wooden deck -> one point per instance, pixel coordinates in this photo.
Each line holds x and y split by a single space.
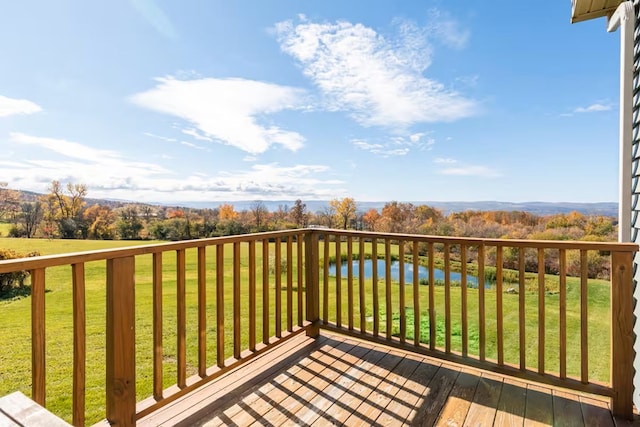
337 380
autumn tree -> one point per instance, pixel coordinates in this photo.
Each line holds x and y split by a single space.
259 212
298 214
30 218
345 210
370 219
63 206
326 216
129 225
395 217
100 222
227 212
9 203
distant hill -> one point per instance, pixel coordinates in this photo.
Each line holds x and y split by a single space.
538 208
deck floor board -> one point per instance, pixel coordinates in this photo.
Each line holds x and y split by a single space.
339 380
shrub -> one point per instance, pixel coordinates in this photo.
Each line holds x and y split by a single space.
284 265
12 281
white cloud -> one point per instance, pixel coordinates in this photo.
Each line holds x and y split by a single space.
197 135
163 138
480 171
12 106
447 29
228 110
192 145
65 148
397 145
416 137
108 173
444 160
379 80
593 108
379 149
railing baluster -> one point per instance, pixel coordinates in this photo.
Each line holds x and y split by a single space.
463 302
481 301
157 326
363 305
202 311
79 343
220 305
38 342
521 312
387 282
121 309
499 315
252 295
181 317
584 319
416 293
432 299
265 291
121 340
278 291
236 300
312 282
350 282
325 284
374 286
541 317
401 302
338 282
289 283
299 294
447 298
563 313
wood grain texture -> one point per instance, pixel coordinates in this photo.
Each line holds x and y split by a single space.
202 312
157 326
79 344
622 336
120 346
181 316
38 336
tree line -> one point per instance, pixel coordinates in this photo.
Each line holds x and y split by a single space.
64 213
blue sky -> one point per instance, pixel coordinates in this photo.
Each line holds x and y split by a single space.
205 100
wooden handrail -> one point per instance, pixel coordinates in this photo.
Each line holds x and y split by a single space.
392 330
308 251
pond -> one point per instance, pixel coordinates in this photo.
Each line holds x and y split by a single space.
423 272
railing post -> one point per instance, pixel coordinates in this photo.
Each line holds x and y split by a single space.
121 376
312 279
622 353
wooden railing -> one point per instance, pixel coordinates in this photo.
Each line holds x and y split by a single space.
223 301
209 278
501 326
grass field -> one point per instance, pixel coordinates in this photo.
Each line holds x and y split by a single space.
4 229
15 362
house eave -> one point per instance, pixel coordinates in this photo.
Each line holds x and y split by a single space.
584 10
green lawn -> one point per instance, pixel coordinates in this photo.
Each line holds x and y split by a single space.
15 341
4 229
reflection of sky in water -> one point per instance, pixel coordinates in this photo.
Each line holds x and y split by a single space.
423 272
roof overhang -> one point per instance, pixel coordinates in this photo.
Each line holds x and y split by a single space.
583 10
